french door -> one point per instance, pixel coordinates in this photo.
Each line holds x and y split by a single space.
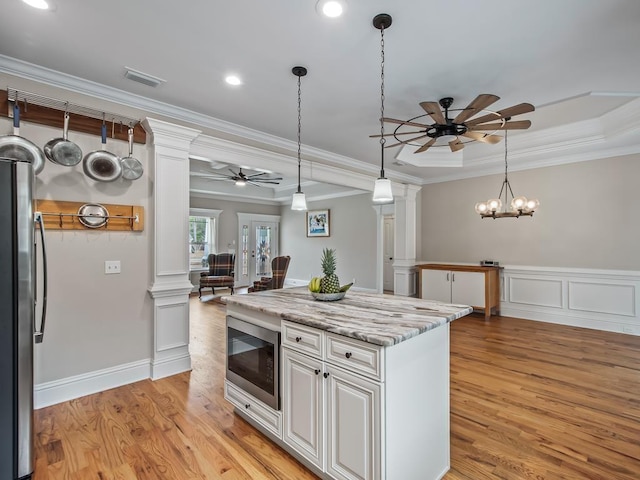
258 245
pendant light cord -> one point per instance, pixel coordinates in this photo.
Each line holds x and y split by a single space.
382 139
299 130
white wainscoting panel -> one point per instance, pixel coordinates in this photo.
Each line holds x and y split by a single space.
172 326
545 292
599 299
609 298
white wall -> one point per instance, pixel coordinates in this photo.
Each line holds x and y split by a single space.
352 235
588 218
94 321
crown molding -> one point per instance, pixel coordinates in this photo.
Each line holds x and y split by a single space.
29 71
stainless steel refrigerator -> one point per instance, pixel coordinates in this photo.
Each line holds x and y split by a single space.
17 315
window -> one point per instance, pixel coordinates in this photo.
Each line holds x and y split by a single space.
203 236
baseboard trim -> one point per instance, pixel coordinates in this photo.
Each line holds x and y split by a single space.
69 388
170 366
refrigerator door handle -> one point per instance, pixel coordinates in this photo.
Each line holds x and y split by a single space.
38 335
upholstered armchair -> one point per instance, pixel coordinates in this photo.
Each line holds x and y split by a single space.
279 267
220 272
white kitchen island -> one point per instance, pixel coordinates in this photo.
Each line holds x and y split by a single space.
364 382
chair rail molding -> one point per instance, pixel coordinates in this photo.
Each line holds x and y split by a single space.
170 282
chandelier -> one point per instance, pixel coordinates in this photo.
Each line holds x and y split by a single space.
520 206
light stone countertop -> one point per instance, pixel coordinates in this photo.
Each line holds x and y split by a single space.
374 318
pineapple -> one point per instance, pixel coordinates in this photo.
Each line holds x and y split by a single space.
330 282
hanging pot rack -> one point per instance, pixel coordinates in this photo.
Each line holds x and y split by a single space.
62 215
48 111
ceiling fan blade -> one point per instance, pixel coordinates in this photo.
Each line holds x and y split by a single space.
433 109
256 182
481 102
235 174
404 122
266 180
518 125
426 146
483 137
507 112
456 145
393 134
406 141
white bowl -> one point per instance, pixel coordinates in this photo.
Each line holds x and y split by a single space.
328 297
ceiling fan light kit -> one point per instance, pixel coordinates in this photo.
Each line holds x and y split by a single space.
299 202
382 191
519 206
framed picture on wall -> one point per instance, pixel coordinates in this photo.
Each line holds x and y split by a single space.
318 223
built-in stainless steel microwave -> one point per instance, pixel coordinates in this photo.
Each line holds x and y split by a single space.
253 360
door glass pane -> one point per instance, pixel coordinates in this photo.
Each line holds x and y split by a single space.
263 250
244 246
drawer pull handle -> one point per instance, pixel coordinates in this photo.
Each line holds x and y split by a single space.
325 374
317 371
348 354
247 405
298 339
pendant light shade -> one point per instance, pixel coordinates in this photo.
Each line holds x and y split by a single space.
299 202
382 192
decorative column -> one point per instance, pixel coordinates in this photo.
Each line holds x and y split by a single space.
405 242
170 287
404 258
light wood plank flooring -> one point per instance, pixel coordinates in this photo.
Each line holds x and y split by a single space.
528 401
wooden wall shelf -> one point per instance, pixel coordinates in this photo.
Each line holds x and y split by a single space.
62 215
54 117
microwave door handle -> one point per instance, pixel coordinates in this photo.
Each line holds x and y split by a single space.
40 334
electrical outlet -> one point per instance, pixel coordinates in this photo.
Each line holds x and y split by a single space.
111 266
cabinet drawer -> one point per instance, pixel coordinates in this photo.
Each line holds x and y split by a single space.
355 355
254 408
302 338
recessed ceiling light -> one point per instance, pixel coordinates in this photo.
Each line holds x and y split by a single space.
233 80
39 4
331 8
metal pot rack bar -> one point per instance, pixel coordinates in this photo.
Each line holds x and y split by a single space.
25 99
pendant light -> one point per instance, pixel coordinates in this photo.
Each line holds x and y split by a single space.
519 206
382 192
299 202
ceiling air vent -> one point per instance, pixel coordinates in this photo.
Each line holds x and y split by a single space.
143 78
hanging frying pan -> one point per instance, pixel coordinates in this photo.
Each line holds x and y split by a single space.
18 148
131 167
93 215
61 150
101 165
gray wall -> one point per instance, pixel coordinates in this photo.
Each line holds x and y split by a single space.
588 218
95 321
352 235
228 226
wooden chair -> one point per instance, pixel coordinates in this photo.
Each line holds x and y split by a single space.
220 272
279 267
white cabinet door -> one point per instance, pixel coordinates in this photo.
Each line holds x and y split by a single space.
303 405
467 288
353 426
436 285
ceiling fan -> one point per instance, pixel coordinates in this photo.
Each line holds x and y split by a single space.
455 132
241 179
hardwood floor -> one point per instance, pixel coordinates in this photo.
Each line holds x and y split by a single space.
528 401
